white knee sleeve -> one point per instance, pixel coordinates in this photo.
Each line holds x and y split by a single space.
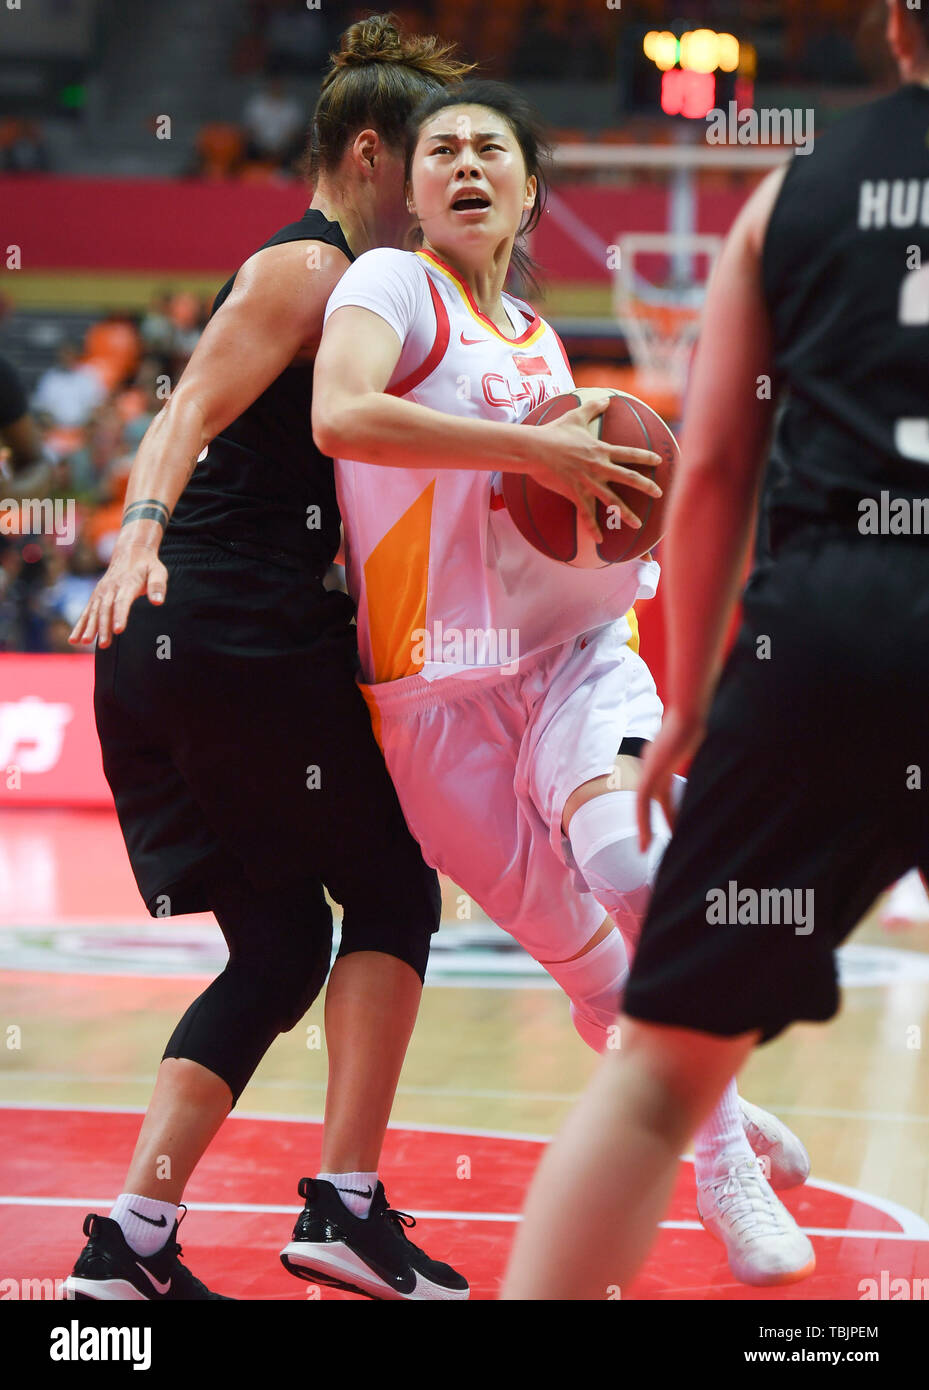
604 839
594 983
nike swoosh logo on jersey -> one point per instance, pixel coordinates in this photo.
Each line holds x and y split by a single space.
150 1219
469 342
155 1283
356 1191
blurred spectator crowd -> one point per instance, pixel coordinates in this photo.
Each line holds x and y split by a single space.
92 408
283 45
22 148
513 40
526 39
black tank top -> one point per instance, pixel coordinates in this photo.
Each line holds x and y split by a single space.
850 311
263 489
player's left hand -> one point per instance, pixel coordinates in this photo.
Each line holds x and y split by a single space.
679 736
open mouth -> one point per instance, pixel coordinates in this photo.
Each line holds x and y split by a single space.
471 202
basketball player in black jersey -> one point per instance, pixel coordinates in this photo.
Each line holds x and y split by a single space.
807 779
237 745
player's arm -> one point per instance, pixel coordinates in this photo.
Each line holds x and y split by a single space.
727 426
353 418
274 310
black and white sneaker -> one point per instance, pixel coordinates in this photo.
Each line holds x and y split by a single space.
367 1255
108 1268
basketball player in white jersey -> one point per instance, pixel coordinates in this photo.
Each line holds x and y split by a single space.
501 684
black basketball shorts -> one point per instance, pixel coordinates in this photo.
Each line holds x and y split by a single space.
231 724
808 796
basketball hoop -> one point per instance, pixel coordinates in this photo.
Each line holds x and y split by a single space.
660 316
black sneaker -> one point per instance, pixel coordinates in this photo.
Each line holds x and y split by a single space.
108 1268
368 1255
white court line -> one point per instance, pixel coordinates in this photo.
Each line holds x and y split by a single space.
913 1225
270 1209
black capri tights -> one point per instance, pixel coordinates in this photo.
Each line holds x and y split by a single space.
280 946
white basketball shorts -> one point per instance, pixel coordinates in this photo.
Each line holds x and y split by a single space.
483 768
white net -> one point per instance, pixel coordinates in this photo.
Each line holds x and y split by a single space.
659 286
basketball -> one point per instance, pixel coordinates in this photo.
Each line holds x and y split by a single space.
549 521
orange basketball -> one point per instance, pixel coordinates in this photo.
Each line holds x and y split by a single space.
549 521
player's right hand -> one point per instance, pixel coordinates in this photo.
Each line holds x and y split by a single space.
133 570
581 467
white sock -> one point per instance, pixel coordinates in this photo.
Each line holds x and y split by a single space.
145 1222
721 1142
356 1189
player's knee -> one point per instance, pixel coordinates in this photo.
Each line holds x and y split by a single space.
303 988
294 1003
604 839
283 984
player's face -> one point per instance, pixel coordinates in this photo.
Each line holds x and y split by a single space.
468 181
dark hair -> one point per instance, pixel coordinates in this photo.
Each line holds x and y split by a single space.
376 79
531 134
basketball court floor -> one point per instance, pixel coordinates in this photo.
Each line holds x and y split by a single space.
91 987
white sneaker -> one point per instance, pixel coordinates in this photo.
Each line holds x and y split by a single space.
763 1242
784 1160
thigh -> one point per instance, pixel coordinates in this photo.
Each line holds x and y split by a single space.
170 842
261 718
455 768
272 932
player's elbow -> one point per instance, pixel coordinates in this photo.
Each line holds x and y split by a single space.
331 423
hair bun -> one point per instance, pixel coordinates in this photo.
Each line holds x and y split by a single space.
372 40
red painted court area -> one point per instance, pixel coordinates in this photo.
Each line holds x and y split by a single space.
465 1189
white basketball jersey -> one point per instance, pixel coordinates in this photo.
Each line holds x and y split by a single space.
442 579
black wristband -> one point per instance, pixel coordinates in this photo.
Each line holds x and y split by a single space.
147 510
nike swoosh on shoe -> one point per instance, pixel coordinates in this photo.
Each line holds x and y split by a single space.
155 1283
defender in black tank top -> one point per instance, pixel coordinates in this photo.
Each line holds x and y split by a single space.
236 741
264 489
802 780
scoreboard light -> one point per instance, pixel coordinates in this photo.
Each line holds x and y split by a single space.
698 69
699 50
690 94
663 48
